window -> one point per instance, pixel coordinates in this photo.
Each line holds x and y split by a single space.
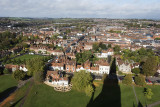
67 68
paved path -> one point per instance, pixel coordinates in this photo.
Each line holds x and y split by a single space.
154 104
135 94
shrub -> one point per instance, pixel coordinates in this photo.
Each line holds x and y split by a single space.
6 71
89 90
148 93
19 75
136 70
140 80
127 79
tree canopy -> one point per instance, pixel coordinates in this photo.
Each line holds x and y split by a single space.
81 80
149 68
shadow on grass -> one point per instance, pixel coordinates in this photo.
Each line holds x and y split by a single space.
110 95
6 93
14 104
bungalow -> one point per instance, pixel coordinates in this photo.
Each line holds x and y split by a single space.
23 68
11 67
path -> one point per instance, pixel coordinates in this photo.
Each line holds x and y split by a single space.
135 94
154 104
27 92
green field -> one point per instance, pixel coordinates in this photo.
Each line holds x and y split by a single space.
27 57
112 95
7 85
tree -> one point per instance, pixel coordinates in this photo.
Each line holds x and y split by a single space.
38 77
6 71
34 65
104 77
136 70
19 75
116 48
65 37
148 93
149 68
140 80
81 80
127 79
89 90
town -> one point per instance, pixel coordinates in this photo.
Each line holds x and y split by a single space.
79 57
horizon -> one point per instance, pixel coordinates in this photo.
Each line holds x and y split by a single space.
111 9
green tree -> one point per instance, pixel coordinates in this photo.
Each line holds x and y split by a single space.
39 77
116 48
149 68
140 80
81 80
89 90
19 75
6 71
148 93
136 70
35 65
127 79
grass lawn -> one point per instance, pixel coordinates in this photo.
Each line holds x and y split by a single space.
155 97
42 95
7 85
27 57
7 81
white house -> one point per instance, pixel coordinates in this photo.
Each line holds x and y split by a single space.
105 53
23 68
104 68
57 66
124 67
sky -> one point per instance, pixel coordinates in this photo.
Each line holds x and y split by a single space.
148 9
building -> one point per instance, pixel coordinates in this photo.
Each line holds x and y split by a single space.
57 66
70 66
56 78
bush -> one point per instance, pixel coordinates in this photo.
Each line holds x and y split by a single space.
6 71
148 93
127 79
19 75
140 80
89 90
120 73
136 70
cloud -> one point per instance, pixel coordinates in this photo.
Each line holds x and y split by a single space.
80 8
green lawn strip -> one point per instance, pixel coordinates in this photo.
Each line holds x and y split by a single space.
155 97
127 96
6 82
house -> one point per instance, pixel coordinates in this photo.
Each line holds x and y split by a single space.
56 66
56 78
87 65
158 70
95 69
124 66
56 52
105 53
79 68
70 66
11 67
88 46
104 68
23 68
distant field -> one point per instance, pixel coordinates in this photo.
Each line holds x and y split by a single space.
27 56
